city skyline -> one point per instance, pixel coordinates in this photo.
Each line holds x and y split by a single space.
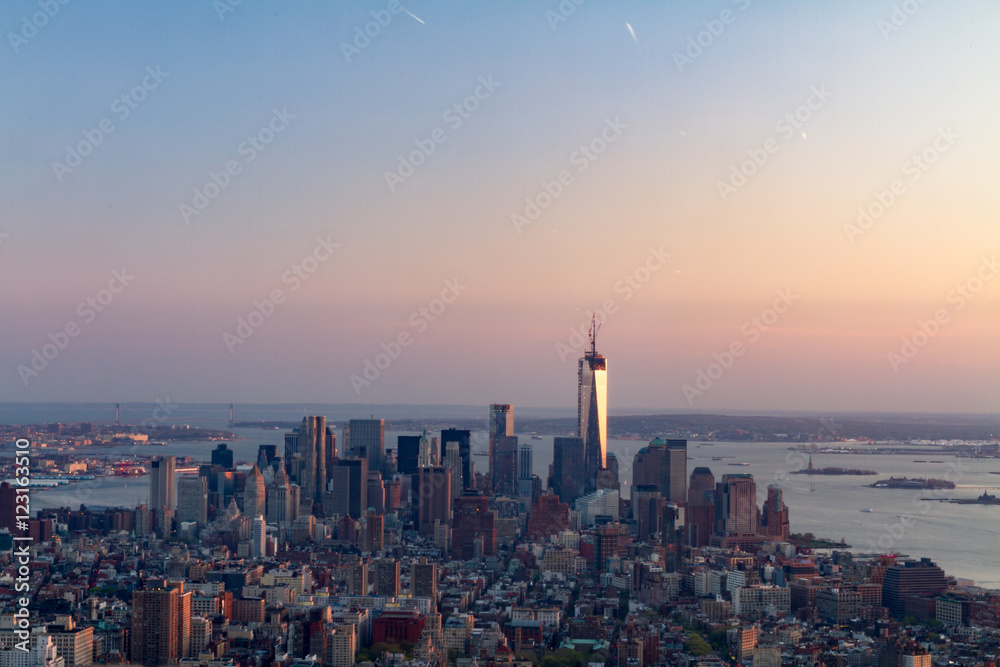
808 185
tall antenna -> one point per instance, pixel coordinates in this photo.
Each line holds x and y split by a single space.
594 328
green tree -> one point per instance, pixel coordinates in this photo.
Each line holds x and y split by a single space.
696 645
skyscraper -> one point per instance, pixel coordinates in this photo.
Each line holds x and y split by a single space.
367 440
222 456
258 537
592 407
501 424
387 577
314 449
453 460
504 470
423 580
464 438
161 483
702 481
474 535
161 623
350 487
254 493
434 501
278 502
192 499
775 514
407 454
568 470
525 470
736 505
664 465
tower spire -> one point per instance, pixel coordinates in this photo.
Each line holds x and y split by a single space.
594 327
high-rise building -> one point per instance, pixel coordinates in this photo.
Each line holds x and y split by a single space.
161 623
592 408
266 456
350 487
473 535
702 482
910 577
367 440
453 460
434 501
376 492
427 453
568 468
357 578
464 439
258 537
341 645
8 501
647 509
222 456
525 469
374 533
774 514
254 493
161 483
664 465
736 505
387 577
408 454
310 452
504 470
192 499
423 580
501 425
279 508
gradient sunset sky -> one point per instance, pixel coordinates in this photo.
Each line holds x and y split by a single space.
894 81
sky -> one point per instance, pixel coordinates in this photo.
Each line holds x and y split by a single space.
768 206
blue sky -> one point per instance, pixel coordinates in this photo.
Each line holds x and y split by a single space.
892 93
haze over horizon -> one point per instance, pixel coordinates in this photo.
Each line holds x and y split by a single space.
306 133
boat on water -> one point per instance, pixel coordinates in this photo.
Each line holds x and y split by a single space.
869 510
536 437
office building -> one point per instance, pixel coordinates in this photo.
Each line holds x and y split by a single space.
350 487
366 439
192 499
280 509
568 469
736 505
310 453
504 470
525 470
910 577
702 483
258 537
664 465
162 483
501 425
254 493
374 531
408 454
774 515
222 456
592 408
434 499
463 437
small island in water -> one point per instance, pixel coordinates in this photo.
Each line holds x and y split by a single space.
833 471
